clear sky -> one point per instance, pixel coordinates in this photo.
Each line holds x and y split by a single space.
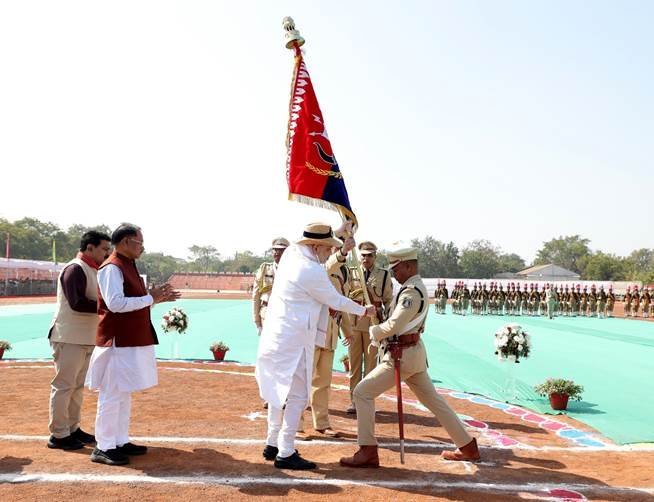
511 121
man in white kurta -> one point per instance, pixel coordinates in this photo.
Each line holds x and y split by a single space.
117 371
296 321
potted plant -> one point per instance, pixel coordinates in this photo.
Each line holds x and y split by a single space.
346 362
219 350
4 345
559 391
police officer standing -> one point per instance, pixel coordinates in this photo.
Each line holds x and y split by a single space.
363 358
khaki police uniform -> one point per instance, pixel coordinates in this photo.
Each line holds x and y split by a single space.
363 358
407 315
263 283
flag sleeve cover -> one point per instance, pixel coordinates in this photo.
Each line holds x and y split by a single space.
312 172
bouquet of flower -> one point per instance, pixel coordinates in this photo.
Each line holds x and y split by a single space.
511 342
175 320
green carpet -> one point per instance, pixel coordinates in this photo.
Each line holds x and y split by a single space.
612 358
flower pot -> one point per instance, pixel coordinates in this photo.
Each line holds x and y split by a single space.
346 365
219 355
558 401
2 353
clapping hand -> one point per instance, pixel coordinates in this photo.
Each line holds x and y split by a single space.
164 293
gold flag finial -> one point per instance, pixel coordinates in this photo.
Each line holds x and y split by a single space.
292 35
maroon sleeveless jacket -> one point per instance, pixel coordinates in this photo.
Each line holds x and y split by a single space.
128 329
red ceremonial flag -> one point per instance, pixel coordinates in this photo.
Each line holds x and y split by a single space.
312 172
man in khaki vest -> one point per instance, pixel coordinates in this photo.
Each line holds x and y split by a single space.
323 356
403 327
263 282
363 358
72 338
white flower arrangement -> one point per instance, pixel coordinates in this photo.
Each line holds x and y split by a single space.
175 320
511 342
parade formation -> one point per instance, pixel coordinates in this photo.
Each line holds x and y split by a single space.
550 300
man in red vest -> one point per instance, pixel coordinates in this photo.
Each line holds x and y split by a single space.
123 360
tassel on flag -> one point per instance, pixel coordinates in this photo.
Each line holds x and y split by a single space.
312 172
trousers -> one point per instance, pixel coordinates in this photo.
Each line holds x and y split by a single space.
381 379
361 354
113 417
67 387
283 423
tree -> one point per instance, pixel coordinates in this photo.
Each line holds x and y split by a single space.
205 259
479 260
159 267
605 267
640 265
245 262
571 252
511 263
437 259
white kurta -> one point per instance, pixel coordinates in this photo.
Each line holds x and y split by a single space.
128 368
296 321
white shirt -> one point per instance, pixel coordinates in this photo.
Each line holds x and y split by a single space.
126 368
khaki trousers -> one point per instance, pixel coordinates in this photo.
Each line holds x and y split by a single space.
67 387
323 360
360 353
381 379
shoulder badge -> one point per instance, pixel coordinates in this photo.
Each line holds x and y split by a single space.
407 301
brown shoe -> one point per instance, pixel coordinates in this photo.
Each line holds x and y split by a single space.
329 432
366 457
302 436
469 452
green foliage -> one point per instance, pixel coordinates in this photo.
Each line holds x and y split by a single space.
205 259
605 267
480 259
32 239
511 263
159 267
4 344
218 346
437 259
640 265
244 262
571 252
560 386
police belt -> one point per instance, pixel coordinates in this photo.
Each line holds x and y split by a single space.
408 340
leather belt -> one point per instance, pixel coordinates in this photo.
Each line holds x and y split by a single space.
408 340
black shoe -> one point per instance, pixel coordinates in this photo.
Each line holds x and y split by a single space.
270 452
84 437
109 457
132 449
68 443
294 462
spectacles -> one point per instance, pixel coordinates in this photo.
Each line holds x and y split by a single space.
137 241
